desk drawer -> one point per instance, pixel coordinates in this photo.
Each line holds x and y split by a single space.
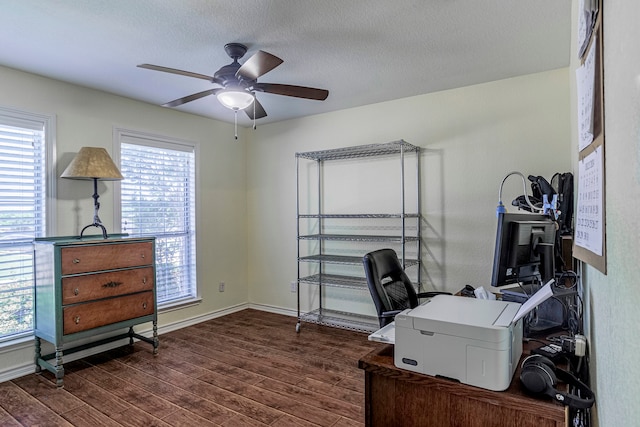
80 317
102 285
89 258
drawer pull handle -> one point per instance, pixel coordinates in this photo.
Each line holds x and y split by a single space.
76 291
76 261
144 280
142 256
111 284
144 305
76 319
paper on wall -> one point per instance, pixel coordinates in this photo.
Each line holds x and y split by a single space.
585 79
587 15
589 210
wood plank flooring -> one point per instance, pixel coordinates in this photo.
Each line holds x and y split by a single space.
248 368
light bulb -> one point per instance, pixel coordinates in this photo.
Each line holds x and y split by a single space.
235 99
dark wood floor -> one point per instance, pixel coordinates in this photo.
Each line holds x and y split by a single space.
246 369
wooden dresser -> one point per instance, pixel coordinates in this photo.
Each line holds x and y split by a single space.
91 286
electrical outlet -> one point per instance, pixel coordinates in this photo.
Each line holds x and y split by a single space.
221 287
294 287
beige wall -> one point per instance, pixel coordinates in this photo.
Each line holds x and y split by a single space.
471 138
613 299
87 118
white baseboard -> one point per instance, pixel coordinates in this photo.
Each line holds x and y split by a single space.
273 309
197 319
17 372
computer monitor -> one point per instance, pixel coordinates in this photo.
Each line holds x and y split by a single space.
524 250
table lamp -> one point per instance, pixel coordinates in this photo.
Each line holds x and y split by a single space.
96 164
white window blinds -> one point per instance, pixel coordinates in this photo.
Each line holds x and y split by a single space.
158 199
23 209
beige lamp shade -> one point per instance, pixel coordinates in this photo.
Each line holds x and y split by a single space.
92 163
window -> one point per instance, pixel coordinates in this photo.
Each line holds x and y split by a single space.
26 195
157 198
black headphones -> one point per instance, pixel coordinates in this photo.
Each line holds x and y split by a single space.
539 376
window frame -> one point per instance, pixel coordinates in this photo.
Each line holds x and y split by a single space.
13 117
160 141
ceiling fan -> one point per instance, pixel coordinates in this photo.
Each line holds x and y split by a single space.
239 82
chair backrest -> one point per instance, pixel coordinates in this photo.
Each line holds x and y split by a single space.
390 287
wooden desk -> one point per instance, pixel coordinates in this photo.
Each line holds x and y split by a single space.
397 397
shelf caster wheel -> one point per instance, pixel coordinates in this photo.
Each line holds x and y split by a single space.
298 327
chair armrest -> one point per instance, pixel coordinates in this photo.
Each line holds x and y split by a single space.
432 294
390 313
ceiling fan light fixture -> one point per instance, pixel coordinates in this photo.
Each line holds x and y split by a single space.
235 99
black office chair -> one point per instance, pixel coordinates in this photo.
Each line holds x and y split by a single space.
390 287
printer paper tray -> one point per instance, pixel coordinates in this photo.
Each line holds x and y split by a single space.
386 335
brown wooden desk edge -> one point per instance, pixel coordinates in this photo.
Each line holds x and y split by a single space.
380 362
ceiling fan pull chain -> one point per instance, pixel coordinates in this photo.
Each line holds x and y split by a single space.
236 123
254 111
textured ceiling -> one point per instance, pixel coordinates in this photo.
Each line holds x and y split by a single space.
362 51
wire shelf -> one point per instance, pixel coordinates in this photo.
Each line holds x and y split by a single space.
336 280
332 259
358 238
340 281
341 259
338 246
343 320
363 216
395 147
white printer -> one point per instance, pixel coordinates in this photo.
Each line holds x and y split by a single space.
475 341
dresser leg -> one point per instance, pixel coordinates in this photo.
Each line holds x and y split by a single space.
38 355
155 337
59 368
131 335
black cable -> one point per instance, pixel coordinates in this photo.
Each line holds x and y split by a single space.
580 314
519 282
535 340
564 275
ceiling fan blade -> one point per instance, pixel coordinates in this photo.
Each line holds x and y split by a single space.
175 71
260 113
291 90
259 64
190 98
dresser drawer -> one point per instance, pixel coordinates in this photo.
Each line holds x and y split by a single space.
80 317
89 258
102 285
